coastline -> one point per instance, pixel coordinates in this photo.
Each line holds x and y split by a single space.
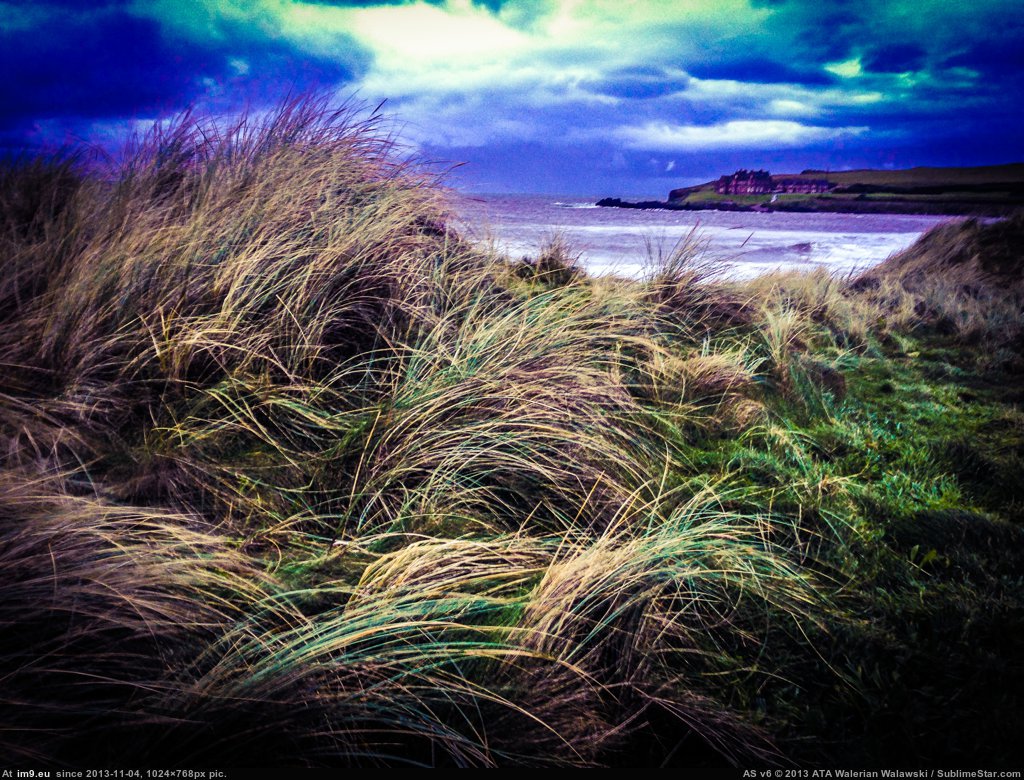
826 205
750 243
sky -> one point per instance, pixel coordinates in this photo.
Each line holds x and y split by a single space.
624 98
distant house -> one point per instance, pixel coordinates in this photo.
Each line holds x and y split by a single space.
760 182
802 185
745 182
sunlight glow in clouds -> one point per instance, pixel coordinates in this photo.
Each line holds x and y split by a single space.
739 134
847 70
427 36
596 94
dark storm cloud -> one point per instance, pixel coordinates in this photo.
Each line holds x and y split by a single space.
761 71
1001 57
546 91
825 34
77 5
97 66
74 65
894 58
638 83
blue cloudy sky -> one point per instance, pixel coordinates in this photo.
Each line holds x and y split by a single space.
605 97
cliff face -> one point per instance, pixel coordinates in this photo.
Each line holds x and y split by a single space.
681 193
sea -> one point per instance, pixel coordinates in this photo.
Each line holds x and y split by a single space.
740 244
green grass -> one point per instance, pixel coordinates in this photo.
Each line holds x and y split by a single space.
929 177
294 475
950 177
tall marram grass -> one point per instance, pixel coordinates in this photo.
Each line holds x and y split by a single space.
295 475
962 279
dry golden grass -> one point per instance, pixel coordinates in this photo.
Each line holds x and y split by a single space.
962 278
294 474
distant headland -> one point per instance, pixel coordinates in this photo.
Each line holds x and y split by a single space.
990 190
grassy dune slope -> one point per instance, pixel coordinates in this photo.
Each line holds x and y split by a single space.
293 475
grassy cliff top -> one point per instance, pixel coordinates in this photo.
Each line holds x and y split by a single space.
951 178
